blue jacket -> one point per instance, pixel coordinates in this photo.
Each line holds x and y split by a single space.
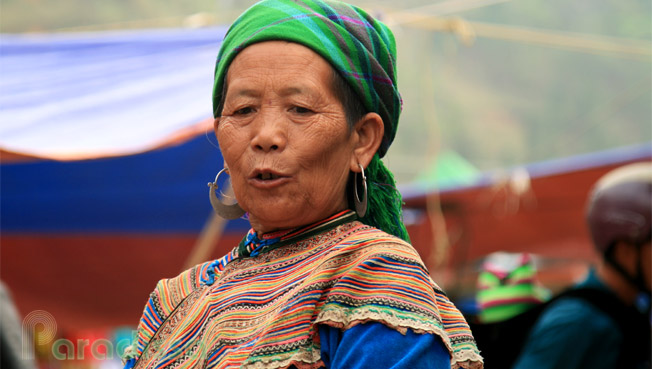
572 333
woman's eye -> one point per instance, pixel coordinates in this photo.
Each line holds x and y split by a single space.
243 111
301 110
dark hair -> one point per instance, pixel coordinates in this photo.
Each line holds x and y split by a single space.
353 108
220 105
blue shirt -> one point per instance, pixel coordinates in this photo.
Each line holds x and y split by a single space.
373 345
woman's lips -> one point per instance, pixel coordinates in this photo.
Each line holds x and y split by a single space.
264 179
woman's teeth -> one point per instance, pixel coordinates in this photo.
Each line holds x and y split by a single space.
265 176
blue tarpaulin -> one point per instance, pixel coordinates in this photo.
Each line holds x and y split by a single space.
102 96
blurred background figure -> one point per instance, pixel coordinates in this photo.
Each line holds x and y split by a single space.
509 300
11 335
607 325
507 286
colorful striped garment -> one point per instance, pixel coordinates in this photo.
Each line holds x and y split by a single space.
264 311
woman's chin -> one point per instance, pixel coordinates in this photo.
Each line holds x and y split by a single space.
270 213
274 218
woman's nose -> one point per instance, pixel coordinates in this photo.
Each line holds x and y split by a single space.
270 133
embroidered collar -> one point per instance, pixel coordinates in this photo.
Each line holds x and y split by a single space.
252 244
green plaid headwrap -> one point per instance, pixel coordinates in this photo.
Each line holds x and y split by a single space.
358 46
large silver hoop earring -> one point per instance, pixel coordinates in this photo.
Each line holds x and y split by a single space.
360 203
225 211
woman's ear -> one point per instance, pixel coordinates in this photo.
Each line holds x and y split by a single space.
369 132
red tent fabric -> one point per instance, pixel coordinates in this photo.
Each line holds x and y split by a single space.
538 208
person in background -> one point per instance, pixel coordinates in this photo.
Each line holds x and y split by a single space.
509 300
306 103
508 286
612 328
13 354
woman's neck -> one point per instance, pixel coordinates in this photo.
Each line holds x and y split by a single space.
262 228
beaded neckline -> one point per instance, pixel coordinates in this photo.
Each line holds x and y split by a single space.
253 245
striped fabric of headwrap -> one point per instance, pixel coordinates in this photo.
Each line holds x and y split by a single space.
358 46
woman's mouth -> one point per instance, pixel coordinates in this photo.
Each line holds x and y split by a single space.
268 179
267 176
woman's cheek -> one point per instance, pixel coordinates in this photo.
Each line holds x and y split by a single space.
230 140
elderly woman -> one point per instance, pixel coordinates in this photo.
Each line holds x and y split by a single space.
306 104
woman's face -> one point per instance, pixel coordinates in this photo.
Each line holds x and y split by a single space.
284 136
